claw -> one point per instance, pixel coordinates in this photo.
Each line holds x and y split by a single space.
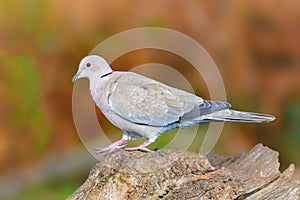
116 145
141 147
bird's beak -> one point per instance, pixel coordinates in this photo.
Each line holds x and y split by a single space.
77 75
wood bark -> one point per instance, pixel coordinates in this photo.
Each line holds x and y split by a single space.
174 174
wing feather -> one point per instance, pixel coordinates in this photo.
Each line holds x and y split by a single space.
146 101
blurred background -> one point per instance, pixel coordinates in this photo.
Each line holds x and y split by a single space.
255 44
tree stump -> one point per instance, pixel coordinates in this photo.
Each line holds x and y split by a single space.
175 174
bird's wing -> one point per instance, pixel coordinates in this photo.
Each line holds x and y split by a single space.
203 111
145 101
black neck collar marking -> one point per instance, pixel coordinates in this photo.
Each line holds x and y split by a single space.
106 74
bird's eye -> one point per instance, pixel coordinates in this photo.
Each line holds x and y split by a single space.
88 65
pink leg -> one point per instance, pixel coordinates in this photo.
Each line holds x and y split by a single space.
141 146
116 145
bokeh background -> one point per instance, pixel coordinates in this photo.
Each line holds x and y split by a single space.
255 44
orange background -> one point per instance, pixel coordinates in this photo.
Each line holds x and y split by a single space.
255 45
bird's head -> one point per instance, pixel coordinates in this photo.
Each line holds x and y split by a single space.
92 66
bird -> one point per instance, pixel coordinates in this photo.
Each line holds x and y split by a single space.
145 108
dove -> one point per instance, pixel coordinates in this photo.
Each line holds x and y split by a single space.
145 108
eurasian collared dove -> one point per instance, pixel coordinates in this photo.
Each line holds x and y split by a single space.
143 107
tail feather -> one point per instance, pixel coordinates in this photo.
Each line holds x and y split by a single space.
239 116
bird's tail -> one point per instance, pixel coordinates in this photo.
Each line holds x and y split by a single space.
239 116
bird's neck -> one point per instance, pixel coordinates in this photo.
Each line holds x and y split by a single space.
98 84
94 81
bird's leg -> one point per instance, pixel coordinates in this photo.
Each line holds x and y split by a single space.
116 145
142 146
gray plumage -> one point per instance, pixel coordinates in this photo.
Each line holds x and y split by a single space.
143 107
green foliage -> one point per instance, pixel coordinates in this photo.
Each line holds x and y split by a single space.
55 189
293 116
23 95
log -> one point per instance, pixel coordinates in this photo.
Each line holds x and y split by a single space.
174 174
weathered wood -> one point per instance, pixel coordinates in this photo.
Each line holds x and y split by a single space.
174 174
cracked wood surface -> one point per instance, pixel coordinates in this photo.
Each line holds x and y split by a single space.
175 174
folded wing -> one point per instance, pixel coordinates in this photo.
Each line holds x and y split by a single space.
146 101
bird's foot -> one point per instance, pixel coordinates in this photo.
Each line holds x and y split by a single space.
141 147
116 145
